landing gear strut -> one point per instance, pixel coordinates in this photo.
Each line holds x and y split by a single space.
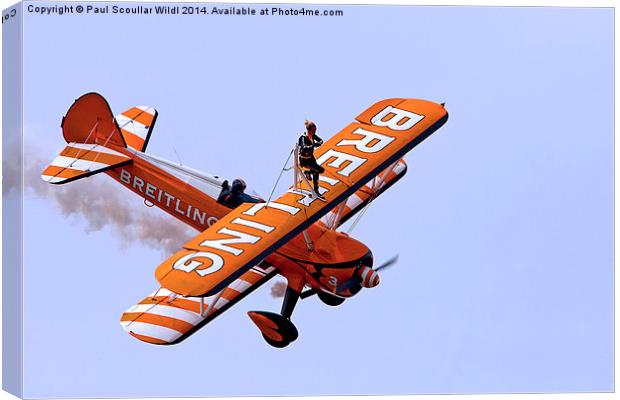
277 329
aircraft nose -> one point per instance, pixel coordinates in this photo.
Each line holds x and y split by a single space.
370 277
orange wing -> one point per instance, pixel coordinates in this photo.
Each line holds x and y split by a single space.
165 318
380 137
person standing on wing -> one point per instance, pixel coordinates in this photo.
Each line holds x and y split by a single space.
307 142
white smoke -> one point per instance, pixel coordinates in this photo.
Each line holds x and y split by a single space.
99 204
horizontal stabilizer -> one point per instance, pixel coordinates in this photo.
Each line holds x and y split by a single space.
79 160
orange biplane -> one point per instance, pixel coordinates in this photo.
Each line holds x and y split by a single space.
237 250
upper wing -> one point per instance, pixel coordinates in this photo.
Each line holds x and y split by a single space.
136 126
380 137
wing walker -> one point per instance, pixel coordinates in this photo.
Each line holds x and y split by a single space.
243 240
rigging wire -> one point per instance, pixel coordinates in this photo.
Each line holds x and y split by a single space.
280 176
178 156
376 192
361 214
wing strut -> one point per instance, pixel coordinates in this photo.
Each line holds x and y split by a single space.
211 304
308 241
333 224
376 184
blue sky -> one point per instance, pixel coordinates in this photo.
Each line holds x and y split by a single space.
503 223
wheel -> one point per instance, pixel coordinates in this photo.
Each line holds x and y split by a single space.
329 299
277 331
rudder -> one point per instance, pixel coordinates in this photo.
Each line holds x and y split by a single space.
96 143
90 120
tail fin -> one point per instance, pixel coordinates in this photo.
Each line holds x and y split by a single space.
95 140
90 120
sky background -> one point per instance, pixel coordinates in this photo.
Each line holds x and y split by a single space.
503 223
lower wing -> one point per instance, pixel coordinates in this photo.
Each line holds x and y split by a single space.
167 318
364 195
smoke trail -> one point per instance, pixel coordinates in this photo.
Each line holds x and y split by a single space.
100 204
278 289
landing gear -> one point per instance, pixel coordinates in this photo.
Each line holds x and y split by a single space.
275 343
329 299
277 329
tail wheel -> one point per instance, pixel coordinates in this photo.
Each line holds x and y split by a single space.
329 299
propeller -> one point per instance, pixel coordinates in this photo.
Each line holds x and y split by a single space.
348 284
388 263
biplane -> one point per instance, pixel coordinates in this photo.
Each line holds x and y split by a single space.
238 250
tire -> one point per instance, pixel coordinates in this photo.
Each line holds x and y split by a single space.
283 327
329 299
